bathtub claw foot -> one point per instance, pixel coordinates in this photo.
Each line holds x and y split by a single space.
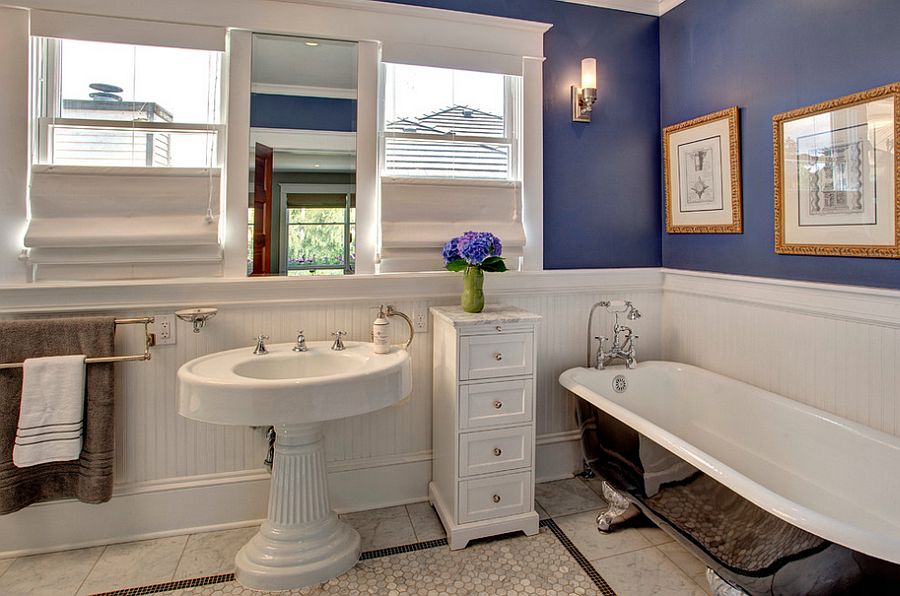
720 587
617 505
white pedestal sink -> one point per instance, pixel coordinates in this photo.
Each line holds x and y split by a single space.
302 542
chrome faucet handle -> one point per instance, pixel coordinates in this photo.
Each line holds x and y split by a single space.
631 360
338 344
601 354
261 349
301 342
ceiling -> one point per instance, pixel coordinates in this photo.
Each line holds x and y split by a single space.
651 7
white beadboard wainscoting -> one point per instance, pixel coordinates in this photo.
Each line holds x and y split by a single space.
174 475
836 348
833 347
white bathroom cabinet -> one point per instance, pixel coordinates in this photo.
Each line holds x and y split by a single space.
483 422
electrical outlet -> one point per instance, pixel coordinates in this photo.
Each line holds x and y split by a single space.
420 320
165 329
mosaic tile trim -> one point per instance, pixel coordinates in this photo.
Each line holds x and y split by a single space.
398 550
196 582
586 566
549 524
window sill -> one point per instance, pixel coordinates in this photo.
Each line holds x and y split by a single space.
122 170
485 182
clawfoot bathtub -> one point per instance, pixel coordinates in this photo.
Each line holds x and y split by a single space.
775 496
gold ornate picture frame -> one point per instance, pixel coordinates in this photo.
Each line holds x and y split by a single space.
702 162
837 177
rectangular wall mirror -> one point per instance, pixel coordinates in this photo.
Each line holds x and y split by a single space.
302 183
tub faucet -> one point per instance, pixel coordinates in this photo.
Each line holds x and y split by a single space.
624 350
623 345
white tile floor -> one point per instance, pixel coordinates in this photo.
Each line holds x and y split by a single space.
635 561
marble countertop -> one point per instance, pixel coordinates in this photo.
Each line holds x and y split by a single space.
491 315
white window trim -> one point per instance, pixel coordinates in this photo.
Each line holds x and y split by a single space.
507 39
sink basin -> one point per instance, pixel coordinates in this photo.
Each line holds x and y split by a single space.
302 542
239 387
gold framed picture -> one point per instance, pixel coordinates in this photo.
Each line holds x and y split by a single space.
702 160
837 178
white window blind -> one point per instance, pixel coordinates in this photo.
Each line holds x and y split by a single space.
419 216
123 223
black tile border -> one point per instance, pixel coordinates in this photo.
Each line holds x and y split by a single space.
548 523
181 584
582 561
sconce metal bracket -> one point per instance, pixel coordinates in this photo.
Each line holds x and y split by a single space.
582 103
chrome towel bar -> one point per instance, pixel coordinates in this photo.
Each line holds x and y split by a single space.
149 342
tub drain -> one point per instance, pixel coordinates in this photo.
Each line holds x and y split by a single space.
620 383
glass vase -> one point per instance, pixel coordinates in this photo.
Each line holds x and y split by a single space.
472 299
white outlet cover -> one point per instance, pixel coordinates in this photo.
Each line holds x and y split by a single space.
164 327
420 320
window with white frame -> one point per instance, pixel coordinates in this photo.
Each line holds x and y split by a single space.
125 167
447 123
113 104
450 155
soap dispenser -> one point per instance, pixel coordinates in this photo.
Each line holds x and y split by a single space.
381 333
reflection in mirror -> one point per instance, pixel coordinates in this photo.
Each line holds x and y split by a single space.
302 186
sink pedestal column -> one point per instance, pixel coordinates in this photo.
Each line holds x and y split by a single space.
302 542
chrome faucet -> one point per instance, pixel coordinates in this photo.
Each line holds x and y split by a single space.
623 346
338 344
301 343
261 349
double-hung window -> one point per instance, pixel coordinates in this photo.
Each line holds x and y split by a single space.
112 104
445 123
450 155
126 151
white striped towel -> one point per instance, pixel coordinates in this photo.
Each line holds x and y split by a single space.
51 416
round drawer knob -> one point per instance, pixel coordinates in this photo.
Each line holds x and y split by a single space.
498 356
498 328
498 404
496 498
497 451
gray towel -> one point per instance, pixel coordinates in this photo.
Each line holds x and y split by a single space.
90 478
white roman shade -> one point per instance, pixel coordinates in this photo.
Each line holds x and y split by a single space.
123 223
418 216
113 30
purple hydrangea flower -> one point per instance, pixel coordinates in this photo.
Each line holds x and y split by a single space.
451 251
475 247
498 247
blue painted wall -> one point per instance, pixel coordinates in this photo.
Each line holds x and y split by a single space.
770 56
302 113
601 180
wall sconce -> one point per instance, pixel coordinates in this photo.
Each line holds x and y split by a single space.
583 97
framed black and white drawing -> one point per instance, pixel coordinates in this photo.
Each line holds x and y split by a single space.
703 175
837 176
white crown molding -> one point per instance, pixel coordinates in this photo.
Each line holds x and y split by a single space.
650 7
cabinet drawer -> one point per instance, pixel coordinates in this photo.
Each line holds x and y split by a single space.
493 404
487 356
496 496
494 451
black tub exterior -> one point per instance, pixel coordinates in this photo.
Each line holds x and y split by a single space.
743 543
